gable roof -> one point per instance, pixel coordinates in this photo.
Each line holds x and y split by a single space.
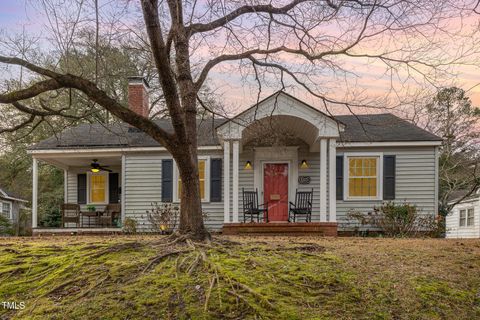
4 194
357 128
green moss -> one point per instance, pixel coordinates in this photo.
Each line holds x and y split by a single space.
87 278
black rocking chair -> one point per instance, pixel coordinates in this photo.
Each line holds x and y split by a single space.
302 206
252 208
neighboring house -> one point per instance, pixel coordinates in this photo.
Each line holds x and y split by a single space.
463 221
10 205
351 162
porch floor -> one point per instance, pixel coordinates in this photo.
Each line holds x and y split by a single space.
328 229
75 231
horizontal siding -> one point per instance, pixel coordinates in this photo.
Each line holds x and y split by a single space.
415 181
452 220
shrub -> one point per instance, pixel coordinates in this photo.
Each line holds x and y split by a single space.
130 226
5 226
163 217
52 219
398 220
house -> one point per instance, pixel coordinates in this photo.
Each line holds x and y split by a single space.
463 221
10 205
350 162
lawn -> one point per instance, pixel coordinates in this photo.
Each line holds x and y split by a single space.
145 277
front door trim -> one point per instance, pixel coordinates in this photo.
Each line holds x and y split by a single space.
276 155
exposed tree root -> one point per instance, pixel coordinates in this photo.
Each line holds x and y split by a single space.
158 259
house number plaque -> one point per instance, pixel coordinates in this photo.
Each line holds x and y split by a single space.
303 180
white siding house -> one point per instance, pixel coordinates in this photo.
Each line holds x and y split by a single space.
464 219
277 148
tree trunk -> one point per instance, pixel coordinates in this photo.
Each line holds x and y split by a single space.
191 216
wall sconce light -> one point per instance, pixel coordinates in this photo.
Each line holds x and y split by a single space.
304 164
248 165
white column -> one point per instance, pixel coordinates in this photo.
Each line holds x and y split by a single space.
236 158
226 181
34 193
332 173
323 180
122 195
65 186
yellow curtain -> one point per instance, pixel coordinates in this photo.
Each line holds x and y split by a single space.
362 177
97 188
201 175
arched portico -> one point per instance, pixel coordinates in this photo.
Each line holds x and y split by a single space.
273 130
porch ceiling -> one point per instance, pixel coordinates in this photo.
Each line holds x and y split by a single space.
66 161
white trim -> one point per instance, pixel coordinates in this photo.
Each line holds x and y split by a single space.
323 180
389 144
332 163
235 168
226 181
10 213
276 155
122 194
347 155
65 186
110 150
34 192
176 176
107 187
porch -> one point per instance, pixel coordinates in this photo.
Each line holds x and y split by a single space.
92 199
328 229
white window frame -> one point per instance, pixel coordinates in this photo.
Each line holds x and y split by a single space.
346 157
107 187
176 176
466 209
10 214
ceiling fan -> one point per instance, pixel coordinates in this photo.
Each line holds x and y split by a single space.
96 167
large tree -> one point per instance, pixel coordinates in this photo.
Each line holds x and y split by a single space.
285 42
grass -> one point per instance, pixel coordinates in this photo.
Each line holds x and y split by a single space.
140 277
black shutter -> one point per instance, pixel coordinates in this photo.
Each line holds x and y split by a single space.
215 180
388 177
339 179
113 187
81 188
167 180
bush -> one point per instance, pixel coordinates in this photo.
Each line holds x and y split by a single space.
5 226
163 217
398 220
53 219
130 226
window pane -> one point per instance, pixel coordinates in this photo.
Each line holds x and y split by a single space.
201 175
97 188
362 177
470 217
462 218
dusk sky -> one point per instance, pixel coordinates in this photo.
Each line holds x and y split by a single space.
237 94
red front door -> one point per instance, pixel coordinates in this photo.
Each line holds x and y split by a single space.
275 190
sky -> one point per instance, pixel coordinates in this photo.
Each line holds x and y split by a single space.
16 15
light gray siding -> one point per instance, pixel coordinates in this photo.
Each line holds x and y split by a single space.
453 229
415 181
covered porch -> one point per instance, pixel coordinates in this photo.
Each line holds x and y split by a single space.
278 150
93 199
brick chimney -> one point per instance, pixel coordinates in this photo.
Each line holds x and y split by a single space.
138 95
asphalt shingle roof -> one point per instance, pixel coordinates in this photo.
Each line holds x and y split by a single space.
358 128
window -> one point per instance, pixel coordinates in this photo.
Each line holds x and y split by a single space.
98 188
6 209
363 177
202 173
463 218
470 217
